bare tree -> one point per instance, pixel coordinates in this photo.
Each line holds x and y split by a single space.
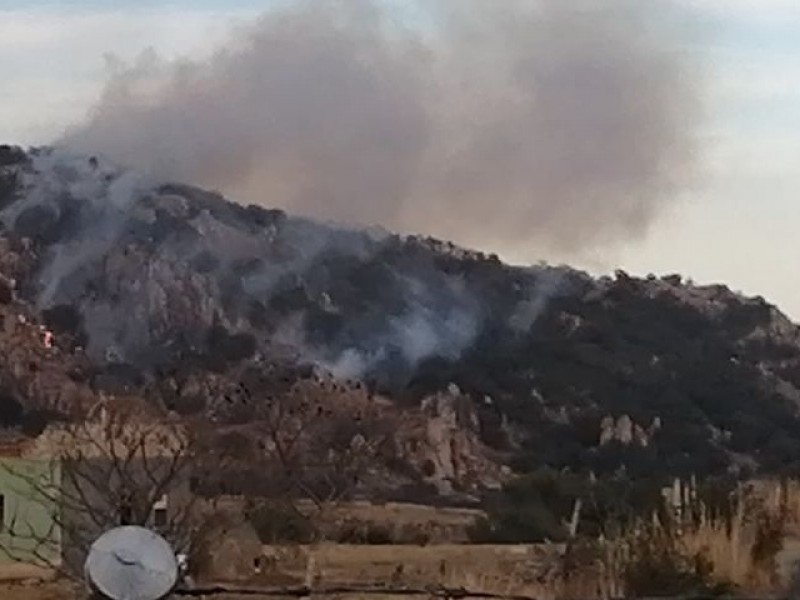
81 479
314 442
324 443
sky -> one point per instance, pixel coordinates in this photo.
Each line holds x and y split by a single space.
737 224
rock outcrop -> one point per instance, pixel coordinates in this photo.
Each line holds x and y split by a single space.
624 431
446 443
173 293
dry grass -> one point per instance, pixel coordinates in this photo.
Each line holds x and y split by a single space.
730 546
531 570
731 555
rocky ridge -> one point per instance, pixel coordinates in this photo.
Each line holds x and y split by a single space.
174 293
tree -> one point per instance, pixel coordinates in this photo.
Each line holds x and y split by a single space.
320 452
306 444
77 480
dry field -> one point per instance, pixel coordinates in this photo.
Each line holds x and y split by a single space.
453 565
499 569
530 570
521 570
442 524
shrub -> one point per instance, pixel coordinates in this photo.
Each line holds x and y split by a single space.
529 509
8 189
35 422
231 348
659 567
11 155
6 293
769 540
279 522
365 533
11 411
378 534
63 318
37 223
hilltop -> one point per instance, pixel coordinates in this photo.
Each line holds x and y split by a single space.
176 294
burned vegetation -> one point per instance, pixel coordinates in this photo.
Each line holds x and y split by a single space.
216 311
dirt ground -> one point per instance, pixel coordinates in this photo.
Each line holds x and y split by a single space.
52 591
38 591
480 568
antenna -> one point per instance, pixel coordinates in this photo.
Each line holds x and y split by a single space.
131 563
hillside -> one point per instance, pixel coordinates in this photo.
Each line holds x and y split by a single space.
177 294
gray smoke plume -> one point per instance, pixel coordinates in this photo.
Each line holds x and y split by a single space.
556 123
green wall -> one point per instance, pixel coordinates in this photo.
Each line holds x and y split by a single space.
29 532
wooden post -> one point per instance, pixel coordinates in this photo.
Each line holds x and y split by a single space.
576 515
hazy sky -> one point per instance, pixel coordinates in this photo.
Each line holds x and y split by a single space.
738 225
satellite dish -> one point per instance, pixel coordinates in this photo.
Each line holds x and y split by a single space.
131 563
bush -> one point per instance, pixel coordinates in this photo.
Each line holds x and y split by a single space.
63 318
11 411
186 405
37 223
231 348
279 522
530 509
6 292
35 422
11 155
365 533
8 189
660 568
769 540
534 524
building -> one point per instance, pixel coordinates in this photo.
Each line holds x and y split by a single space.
30 532
59 492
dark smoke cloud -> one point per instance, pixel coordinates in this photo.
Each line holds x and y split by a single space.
560 124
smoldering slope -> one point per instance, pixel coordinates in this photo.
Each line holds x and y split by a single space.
563 125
